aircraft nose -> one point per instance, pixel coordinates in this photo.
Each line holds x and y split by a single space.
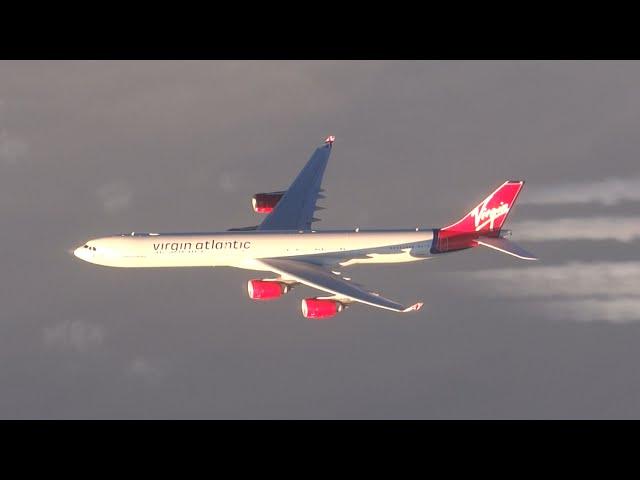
81 253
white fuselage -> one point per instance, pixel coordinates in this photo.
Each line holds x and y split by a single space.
241 248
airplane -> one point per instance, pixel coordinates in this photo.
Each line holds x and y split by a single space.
286 244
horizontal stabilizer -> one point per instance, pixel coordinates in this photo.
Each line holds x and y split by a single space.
506 246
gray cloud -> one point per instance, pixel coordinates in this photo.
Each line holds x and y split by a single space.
74 335
595 291
12 148
574 279
182 146
614 310
143 368
228 181
620 229
115 197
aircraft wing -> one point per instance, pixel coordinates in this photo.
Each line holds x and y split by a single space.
295 209
318 277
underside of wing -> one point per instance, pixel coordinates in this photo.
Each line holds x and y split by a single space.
295 209
323 279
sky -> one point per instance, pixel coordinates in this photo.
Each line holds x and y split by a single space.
92 148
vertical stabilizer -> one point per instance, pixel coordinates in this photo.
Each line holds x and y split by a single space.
486 220
488 217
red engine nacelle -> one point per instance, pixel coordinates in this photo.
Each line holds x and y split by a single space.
318 308
266 290
266 202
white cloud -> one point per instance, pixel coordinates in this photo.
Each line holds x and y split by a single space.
74 335
608 191
599 291
115 197
622 229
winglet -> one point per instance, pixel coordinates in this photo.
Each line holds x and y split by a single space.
413 308
330 139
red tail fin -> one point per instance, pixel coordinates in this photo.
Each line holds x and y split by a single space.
487 218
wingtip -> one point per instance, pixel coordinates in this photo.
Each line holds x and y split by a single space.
330 139
414 308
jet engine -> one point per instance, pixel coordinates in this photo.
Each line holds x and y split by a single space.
266 202
266 289
319 309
